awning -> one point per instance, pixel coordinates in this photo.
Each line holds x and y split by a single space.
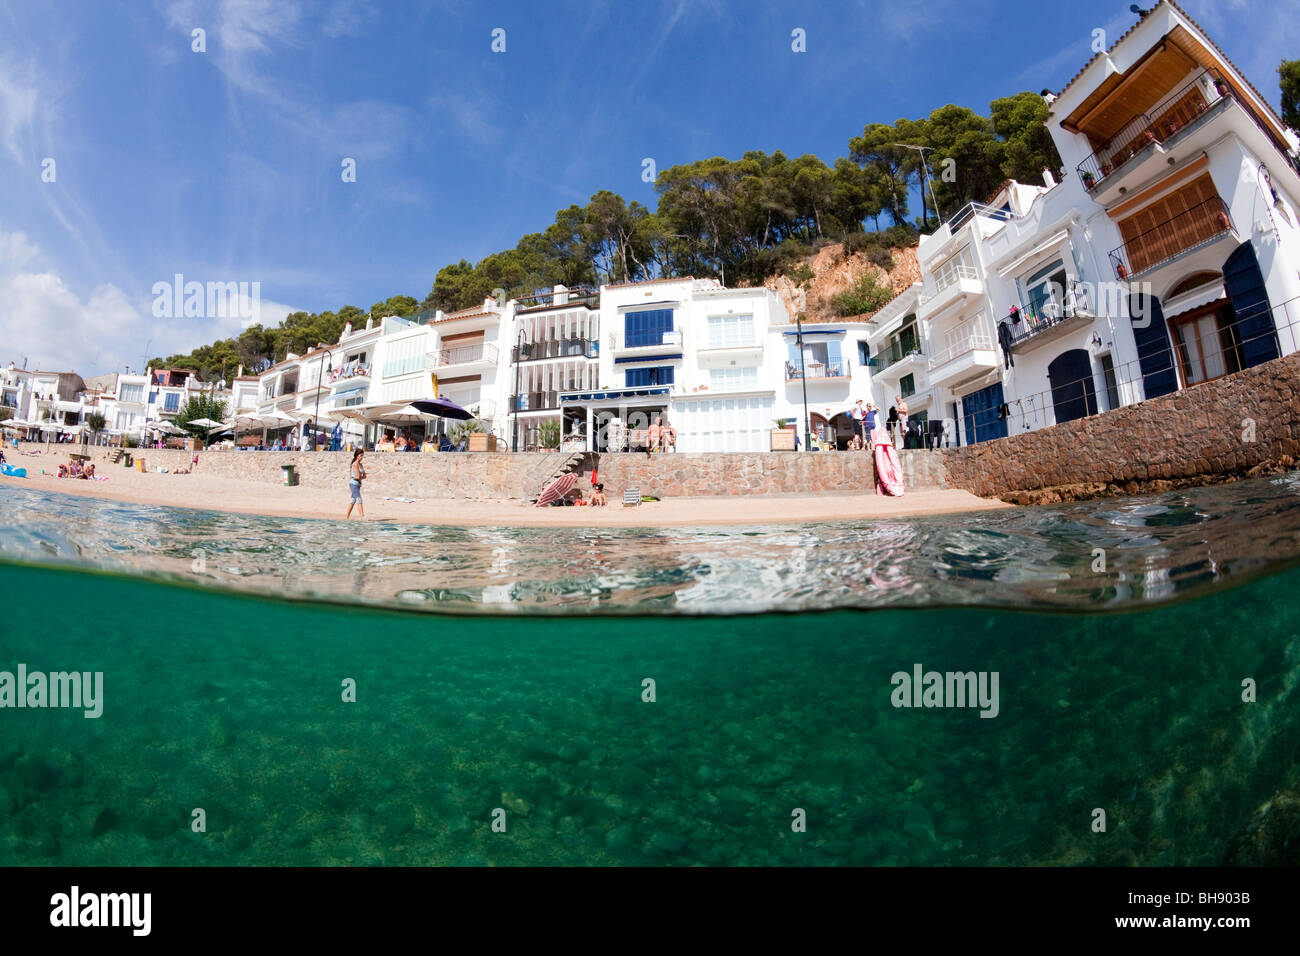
808 332
1039 248
627 396
352 389
1195 299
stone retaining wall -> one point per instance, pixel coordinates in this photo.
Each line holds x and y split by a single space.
496 476
1204 430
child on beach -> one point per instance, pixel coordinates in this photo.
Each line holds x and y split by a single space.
354 483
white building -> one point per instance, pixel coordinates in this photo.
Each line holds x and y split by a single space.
1168 256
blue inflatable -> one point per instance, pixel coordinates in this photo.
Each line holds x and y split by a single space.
9 471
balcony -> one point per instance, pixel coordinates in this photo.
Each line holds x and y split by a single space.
1186 120
817 371
907 356
466 359
1066 310
969 355
557 348
535 402
1201 224
1178 112
950 282
622 343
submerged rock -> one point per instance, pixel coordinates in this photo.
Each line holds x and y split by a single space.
106 821
1272 836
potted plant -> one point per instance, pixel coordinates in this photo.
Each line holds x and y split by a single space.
783 435
548 435
1221 86
1121 270
1106 169
1089 180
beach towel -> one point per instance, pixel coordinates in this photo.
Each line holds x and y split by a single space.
889 472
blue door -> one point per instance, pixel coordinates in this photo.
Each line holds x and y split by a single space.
981 417
1245 286
1073 394
1155 357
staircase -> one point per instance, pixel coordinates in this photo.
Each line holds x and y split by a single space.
551 466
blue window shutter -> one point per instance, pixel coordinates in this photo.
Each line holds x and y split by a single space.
1155 356
1073 395
1245 286
794 353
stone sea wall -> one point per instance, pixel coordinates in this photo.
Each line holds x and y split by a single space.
1227 427
496 475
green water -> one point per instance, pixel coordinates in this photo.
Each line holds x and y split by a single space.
233 704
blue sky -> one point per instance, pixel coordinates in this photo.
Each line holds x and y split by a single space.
225 165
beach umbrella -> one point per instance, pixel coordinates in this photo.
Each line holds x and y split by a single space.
442 408
557 489
207 423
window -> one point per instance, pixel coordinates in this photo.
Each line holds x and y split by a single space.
405 356
133 393
907 386
864 354
171 402
1209 343
1044 291
733 379
643 377
641 329
819 360
731 331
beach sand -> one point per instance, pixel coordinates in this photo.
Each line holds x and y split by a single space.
249 497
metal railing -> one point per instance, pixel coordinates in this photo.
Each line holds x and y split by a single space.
946 276
1074 300
1201 223
895 353
1177 111
972 342
1039 409
464 354
972 209
793 372
555 348
535 401
646 340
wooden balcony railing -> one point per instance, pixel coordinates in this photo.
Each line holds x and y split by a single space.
1201 223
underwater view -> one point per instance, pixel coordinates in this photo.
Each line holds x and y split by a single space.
507 697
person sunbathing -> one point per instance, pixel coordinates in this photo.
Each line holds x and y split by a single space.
89 473
598 497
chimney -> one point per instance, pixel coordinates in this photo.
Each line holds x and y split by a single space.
240 373
560 294
1049 180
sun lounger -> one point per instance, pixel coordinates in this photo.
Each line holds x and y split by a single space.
631 497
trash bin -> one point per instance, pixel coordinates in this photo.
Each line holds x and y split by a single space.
126 460
139 464
290 476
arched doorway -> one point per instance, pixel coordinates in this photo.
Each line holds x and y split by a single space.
1073 394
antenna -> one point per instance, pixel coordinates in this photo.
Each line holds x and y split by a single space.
925 175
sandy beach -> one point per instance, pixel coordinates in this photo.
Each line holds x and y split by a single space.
249 497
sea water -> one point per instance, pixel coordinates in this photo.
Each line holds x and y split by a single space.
586 708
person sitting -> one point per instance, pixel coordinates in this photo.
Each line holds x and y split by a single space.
400 444
89 473
598 497
63 471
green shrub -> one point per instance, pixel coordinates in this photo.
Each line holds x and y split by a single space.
864 297
881 257
802 273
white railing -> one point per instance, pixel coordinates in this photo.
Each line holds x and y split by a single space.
967 337
947 276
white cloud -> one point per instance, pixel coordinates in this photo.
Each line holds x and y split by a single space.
17 112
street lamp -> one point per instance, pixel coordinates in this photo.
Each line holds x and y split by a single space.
320 372
519 352
803 374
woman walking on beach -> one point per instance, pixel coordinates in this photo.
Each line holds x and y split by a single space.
354 483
